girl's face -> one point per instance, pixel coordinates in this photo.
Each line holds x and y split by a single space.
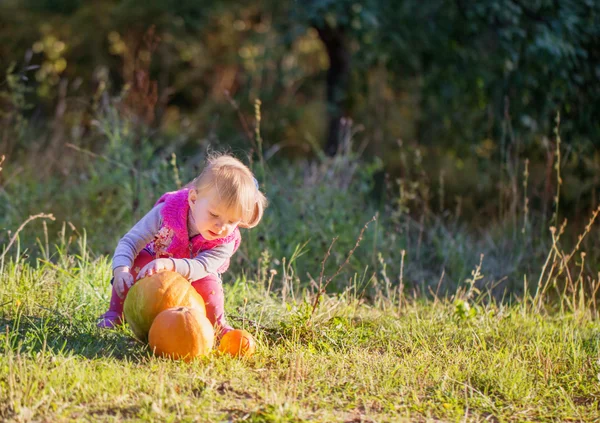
209 217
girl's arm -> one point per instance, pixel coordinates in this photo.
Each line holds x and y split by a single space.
137 238
205 263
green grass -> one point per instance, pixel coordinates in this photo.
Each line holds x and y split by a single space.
407 359
433 318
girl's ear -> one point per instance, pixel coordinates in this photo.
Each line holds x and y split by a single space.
192 197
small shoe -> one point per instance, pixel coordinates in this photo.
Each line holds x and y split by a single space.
110 320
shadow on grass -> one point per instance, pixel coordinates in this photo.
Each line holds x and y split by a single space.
68 335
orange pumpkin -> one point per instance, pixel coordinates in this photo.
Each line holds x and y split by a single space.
238 343
181 333
153 294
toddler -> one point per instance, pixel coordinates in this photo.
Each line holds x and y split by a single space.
194 232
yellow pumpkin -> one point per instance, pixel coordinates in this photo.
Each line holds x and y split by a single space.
153 294
181 333
238 343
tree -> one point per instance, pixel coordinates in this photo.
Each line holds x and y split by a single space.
342 25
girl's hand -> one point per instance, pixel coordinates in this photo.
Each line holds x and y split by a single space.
155 266
123 280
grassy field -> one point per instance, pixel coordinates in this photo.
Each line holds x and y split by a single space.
395 358
428 318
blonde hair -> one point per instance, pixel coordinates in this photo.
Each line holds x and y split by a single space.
235 186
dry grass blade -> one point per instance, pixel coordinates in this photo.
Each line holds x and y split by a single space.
242 119
323 287
98 156
29 219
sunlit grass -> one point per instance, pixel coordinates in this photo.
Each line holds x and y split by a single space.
413 359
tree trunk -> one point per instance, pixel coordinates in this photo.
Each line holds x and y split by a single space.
338 76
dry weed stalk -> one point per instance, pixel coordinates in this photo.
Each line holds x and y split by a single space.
242 119
323 286
142 96
557 168
139 104
99 156
16 234
525 198
560 261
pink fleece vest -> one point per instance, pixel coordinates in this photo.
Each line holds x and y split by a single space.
172 239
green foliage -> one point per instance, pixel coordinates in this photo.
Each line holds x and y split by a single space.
357 18
463 310
64 7
463 64
186 15
13 106
492 56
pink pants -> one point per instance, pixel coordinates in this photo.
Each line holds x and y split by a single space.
209 287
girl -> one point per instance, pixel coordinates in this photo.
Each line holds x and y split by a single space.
194 232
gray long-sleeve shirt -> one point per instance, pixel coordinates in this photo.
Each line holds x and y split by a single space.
205 263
